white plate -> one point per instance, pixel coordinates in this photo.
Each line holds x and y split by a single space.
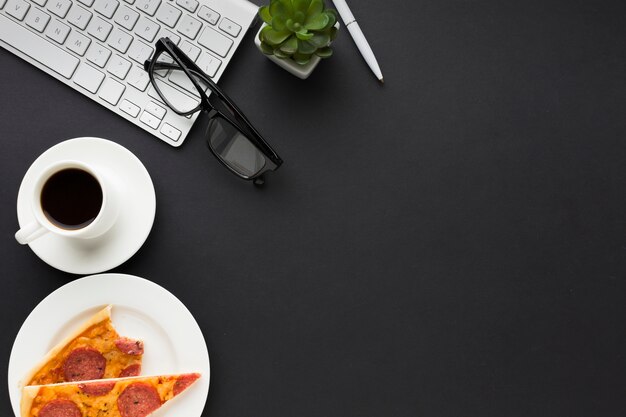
142 310
129 232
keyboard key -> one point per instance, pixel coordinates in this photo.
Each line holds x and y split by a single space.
215 41
156 110
119 67
57 31
130 1
170 131
180 79
99 29
173 37
147 29
140 52
138 78
120 40
59 7
17 9
78 43
106 7
37 19
150 120
126 17
230 27
87 3
89 78
178 99
111 91
36 47
190 50
98 54
168 15
209 15
190 5
2 2
148 6
79 17
209 64
129 108
37 2
189 27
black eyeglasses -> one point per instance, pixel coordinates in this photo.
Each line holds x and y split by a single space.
230 136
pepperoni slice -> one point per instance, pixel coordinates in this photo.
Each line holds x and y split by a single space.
97 389
60 408
131 370
138 400
84 364
130 346
184 381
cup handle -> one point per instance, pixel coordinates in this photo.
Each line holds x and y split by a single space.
29 233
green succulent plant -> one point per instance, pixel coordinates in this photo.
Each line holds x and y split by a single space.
297 29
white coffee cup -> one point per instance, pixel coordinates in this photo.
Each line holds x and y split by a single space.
42 225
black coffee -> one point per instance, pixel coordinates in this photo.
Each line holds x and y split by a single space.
71 198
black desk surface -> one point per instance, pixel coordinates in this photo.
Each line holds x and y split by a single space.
452 243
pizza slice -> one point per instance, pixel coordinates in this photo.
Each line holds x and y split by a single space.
93 351
118 397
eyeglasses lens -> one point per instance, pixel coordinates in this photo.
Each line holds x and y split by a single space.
234 148
174 84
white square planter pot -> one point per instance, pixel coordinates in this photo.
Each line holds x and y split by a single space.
300 71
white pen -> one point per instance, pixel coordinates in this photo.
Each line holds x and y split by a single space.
359 38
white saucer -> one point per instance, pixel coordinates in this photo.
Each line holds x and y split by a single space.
117 245
142 310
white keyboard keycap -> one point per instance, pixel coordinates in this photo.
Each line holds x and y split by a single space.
119 67
89 78
138 78
87 3
215 41
147 29
148 6
98 54
190 50
180 79
190 5
175 97
168 15
126 17
79 17
209 15
37 2
42 51
156 110
129 108
106 7
59 7
78 43
189 27
130 1
150 120
99 29
37 19
57 31
140 52
230 27
170 131
17 8
120 40
111 91
209 64
173 37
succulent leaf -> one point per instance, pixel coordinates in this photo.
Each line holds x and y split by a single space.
300 7
264 14
280 54
332 19
318 22
304 35
267 49
305 47
324 52
274 37
301 59
279 23
320 40
316 7
290 46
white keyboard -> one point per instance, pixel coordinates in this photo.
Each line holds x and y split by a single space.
98 47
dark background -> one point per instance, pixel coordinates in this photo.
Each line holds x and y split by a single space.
449 244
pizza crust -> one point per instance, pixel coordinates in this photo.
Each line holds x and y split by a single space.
104 314
28 395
